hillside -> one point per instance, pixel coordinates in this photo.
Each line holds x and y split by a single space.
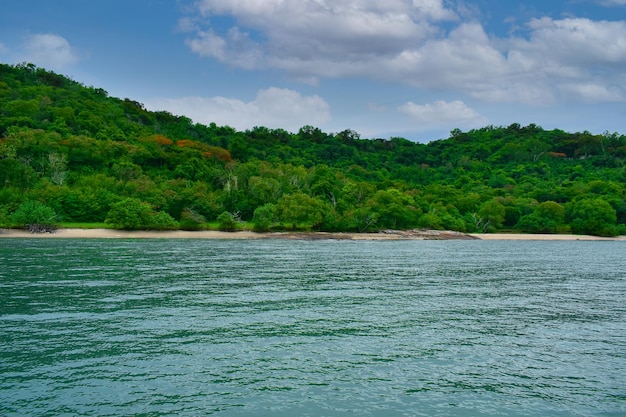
71 153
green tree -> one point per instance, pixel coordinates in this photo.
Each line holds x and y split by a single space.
361 219
299 209
16 173
490 216
394 209
551 210
592 216
263 190
442 217
546 218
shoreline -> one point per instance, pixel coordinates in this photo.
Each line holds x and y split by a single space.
211 234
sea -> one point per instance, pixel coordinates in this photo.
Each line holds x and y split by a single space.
277 327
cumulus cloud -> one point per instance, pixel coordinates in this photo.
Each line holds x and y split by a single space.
572 55
422 43
442 113
321 38
577 43
50 51
272 107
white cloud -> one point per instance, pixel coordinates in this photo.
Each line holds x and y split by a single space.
594 92
298 33
273 108
465 59
3 49
236 48
578 56
610 3
579 43
405 41
50 51
442 113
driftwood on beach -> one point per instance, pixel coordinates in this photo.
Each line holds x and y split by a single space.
40 228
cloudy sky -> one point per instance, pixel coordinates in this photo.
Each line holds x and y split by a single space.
410 68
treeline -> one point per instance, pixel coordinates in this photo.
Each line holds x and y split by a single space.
71 153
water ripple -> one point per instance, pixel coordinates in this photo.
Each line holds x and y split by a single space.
283 328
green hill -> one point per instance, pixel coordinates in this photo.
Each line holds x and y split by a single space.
71 153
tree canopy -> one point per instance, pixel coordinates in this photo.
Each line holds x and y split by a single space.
89 157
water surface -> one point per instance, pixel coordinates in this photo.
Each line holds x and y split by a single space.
321 328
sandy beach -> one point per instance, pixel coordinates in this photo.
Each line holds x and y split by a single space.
206 234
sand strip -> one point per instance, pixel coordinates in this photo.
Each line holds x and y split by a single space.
524 236
205 234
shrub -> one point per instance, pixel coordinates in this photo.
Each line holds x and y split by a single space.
160 220
132 214
37 217
191 220
264 217
129 213
227 222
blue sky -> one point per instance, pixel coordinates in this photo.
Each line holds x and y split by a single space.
410 68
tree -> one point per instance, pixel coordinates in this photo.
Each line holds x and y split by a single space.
263 190
78 151
546 218
551 210
395 209
490 216
442 217
361 219
17 174
57 164
299 209
593 216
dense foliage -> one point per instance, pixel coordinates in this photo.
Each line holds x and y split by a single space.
89 157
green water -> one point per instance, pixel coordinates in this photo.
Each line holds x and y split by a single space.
322 328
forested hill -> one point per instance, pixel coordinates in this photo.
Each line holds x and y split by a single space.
71 153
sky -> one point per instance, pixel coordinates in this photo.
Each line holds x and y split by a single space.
409 68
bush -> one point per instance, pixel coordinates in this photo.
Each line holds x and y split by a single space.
264 217
191 220
132 214
227 222
37 217
4 217
160 220
129 214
